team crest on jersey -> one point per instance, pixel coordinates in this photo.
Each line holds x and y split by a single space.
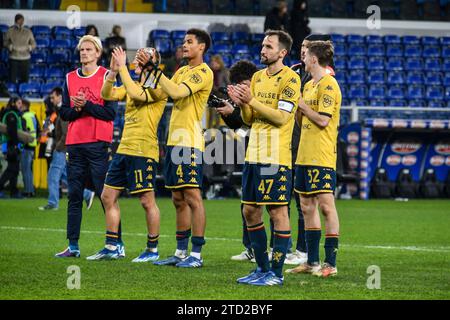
288 92
327 101
195 78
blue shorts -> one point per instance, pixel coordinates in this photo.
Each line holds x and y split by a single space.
137 174
313 179
265 184
183 168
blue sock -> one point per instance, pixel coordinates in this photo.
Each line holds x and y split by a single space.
331 248
301 241
119 233
73 245
312 245
183 239
111 238
280 248
152 241
197 244
258 237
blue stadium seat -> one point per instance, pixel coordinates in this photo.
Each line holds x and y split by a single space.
433 78
447 94
256 50
340 64
355 39
221 49
29 88
38 57
432 65
240 49
356 63
345 102
356 77
436 104
377 103
375 50
392 39
416 103
431 52
340 78
227 59
376 77
416 92
413 51
12 87
337 38
414 64
396 92
61 44
220 37
78 32
246 56
42 43
375 63
396 103
4 28
177 34
414 77
58 58
361 102
395 77
74 43
257 37
36 72
429 41
445 52
344 91
159 34
356 50
434 93
377 92
410 40
61 32
46 88
394 51
373 39
394 64
239 37
446 80
164 46
340 50
40 30
445 41
54 73
357 92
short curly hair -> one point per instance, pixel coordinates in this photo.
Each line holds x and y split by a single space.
241 71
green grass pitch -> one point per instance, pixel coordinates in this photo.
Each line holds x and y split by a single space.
408 241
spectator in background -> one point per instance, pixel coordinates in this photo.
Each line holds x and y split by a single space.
277 18
298 27
91 30
18 6
20 42
114 40
221 80
27 157
173 63
45 140
10 116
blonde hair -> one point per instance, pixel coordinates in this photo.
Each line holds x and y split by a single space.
88 38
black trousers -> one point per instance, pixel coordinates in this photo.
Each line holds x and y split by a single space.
10 174
19 70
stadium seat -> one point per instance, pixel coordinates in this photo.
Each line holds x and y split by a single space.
392 39
396 92
431 52
163 45
220 37
29 88
240 49
429 41
340 64
375 50
377 103
340 78
376 77
345 102
447 93
12 87
78 32
446 80
36 72
227 59
4 28
61 44
257 37
355 39
373 39
416 92
159 34
54 73
375 63
357 92
4 55
395 77
361 102
414 77
256 50
413 51
356 50
177 43
221 49
377 92
340 50
396 103
46 88
177 34
40 30
38 57
337 38
395 64
394 51
432 65
356 77
42 43
445 41
356 63
436 104
416 103
434 93
433 78
246 56
414 64
239 37
410 40
61 32
445 54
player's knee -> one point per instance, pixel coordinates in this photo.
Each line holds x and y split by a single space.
107 198
326 208
193 199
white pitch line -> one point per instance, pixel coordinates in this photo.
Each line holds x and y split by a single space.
401 248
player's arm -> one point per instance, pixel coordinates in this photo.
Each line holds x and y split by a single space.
277 117
326 103
320 120
299 117
246 111
111 93
66 112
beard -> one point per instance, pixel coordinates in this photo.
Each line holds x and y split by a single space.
267 61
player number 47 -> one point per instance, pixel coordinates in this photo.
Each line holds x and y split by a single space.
265 186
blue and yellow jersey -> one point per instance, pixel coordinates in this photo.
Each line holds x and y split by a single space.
185 127
318 145
269 144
